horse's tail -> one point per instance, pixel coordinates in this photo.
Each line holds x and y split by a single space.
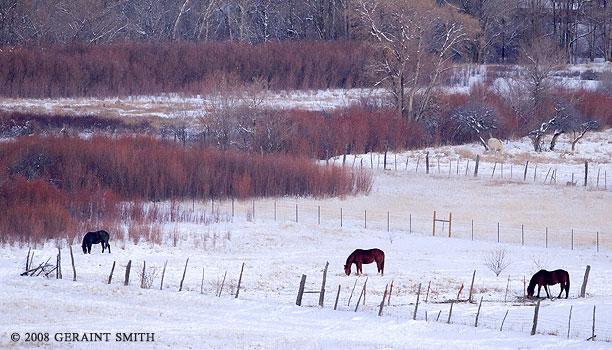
567 284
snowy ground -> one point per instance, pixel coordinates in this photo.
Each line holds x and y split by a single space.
277 251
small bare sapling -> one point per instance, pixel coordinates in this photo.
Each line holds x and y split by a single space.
497 261
150 273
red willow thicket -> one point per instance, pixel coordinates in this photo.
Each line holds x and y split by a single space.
123 69
52 185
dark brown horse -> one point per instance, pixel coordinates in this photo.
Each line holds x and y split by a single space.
360 256
549 278
95 238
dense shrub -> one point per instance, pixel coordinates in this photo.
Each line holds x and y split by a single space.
51 185
123 69
15 124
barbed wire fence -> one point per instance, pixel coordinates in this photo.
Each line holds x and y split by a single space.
334 215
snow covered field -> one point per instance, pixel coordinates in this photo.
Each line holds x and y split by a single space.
277 252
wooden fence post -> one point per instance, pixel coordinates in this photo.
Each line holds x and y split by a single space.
525 174
427 163
416 306
569 322
504 320
498 232
27 267
535 318
388 222
161 284
351 296
593 333
184 272
337 297
586 172
110 277
298 301
390 292
507 288
450 222
58 272
428 287
434 224
222 284
72 259
322 293
584 281
202 284
471 287
450 313
142 276
476 167
239 281
362 293
382 303
478 313
127 273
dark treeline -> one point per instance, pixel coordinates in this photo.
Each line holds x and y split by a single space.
194 68
581 28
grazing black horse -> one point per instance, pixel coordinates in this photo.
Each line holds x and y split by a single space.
95 238
360 256
549 278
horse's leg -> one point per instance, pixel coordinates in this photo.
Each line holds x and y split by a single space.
546 289
359 270
562 288
108 246
539 288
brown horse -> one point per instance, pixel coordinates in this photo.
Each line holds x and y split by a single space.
360 256
549 278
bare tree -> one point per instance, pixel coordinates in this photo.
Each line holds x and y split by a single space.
497 261
475 118
414 41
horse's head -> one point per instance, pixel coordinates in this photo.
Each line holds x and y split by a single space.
530 291
347 270
84 248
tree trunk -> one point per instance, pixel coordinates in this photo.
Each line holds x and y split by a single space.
553 142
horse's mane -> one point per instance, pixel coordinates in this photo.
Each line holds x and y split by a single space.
534 279
350 258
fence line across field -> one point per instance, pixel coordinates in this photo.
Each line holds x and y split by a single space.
581 322
300 212
593 176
